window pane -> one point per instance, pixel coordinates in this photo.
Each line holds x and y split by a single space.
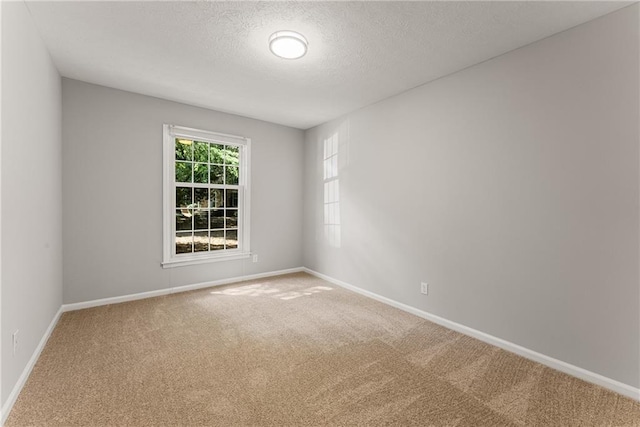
183 149
232 155
201 197
232 239
216 200
183 243
200 219
216 174
231 219
217 218
183 171
231 175
207 192
201 152
232 198
200 173
216 154
217 240
201 241
183 219
183 197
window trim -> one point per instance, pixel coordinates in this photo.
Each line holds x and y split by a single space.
169 258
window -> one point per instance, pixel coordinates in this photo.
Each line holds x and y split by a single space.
206 196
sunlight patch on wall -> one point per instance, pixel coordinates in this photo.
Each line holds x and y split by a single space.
331 191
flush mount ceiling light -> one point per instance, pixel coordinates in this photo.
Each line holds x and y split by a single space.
288 44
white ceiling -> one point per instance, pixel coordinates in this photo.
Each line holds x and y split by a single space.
215 54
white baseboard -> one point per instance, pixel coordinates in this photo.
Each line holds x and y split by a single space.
556 364
177 289
13 396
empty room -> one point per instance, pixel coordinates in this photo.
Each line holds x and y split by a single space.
320 213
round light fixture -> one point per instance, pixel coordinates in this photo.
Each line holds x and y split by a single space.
288 44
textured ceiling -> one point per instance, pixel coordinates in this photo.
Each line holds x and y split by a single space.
215 54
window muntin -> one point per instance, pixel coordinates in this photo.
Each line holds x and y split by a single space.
208 200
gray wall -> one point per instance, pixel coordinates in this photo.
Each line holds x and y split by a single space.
31 191
511 187
112 180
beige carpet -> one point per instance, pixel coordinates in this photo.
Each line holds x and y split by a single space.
291 351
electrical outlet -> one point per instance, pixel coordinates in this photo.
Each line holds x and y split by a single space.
255 257
14 340
424 288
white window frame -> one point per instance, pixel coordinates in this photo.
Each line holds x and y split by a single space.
170 258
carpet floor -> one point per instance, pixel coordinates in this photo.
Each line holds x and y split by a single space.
291 350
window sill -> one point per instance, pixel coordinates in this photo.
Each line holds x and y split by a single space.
181 262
